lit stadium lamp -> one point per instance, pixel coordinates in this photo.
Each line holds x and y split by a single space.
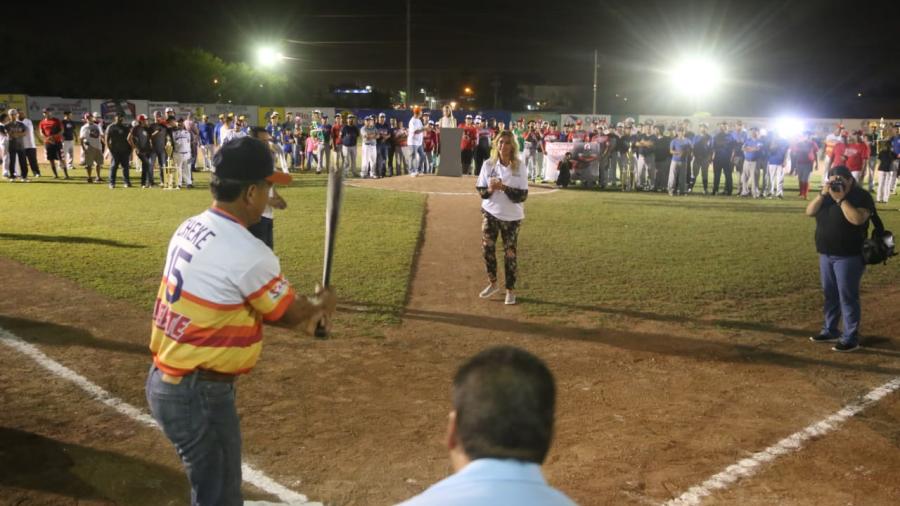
696 76
268 57
789 127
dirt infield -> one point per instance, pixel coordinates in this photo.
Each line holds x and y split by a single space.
643 414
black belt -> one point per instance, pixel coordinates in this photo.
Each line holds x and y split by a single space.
215 376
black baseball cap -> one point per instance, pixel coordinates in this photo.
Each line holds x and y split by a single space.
840 170
247 159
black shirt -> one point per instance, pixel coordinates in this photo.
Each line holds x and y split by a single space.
141 139
701 146
662 148
159 139
723 146
645 150
834 234
117 138
885 160
16 128
68 132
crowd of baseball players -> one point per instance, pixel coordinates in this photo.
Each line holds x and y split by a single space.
632 156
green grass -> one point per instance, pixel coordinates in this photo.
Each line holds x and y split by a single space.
692 257
114 241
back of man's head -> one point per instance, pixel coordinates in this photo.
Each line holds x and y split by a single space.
504 399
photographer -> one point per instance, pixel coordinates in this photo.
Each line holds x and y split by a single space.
842 214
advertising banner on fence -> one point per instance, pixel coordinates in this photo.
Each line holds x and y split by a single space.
181 109
17 102
77 106
248 111
305 113
109 107
538 116
265 112
586 119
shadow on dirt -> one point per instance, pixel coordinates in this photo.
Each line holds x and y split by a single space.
70 239
51 334
34 465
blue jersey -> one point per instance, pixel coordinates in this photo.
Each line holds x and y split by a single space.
206 133
218 132
777 152
752 156
681 148
739 136
895 145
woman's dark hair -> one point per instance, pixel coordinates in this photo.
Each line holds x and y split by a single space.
228 190
504 399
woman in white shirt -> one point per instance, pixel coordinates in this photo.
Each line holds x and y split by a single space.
503 186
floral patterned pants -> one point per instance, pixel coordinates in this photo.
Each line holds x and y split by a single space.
491 227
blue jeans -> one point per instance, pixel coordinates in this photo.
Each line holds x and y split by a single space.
418 154
201 420
841 277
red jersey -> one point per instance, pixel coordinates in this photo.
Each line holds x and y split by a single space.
852 155
578 136
336 135
469 137
429 140
51 129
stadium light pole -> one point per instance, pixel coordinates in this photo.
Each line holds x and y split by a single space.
408 26
594 103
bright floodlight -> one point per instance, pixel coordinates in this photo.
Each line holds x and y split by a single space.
268 57
696 76
789 127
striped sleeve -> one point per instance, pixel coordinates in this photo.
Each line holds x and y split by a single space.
266 290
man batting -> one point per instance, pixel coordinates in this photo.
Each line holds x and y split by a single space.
220 284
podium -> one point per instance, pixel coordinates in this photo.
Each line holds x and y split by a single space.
451 163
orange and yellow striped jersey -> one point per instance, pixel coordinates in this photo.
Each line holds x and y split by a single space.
218 286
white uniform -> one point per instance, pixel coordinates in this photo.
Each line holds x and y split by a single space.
182 156
369 152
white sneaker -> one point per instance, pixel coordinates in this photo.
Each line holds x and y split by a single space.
490 290
510 298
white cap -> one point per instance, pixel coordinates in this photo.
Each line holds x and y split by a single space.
169 109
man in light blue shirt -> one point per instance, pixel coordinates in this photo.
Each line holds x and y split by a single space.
499 434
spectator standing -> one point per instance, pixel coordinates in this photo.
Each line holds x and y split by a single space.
723 150
68 136
804 160
499 388
336 141
139 139
430 145
447 120
842 212
854 155
191 126
663 158
369 136
323 145
702 150
217 132
832 140
119 150
91 147
4 145
181 154
778 158
349 139
30 146
264 230
467 144
483 146
646 160
401 149
679 148
206 132
382 144
160 135
417 153
885 173
749 175
51 129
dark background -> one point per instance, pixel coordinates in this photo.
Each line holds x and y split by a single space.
802 57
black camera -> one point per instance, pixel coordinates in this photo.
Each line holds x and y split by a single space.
837 185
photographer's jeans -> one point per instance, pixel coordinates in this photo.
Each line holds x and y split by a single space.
841 277
200 419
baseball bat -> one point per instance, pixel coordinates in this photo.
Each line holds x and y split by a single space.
332 214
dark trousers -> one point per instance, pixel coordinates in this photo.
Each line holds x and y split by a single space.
491 227
159 157
264 231
23 169
193 157
482 153
381 160
390 162
720 167
120 160
146 169
31 155
466 157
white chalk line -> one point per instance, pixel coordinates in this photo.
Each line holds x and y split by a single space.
748 467
251 475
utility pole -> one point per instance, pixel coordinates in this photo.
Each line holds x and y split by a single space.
594 106
408 28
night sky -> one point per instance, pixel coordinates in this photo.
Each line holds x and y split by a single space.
805 57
